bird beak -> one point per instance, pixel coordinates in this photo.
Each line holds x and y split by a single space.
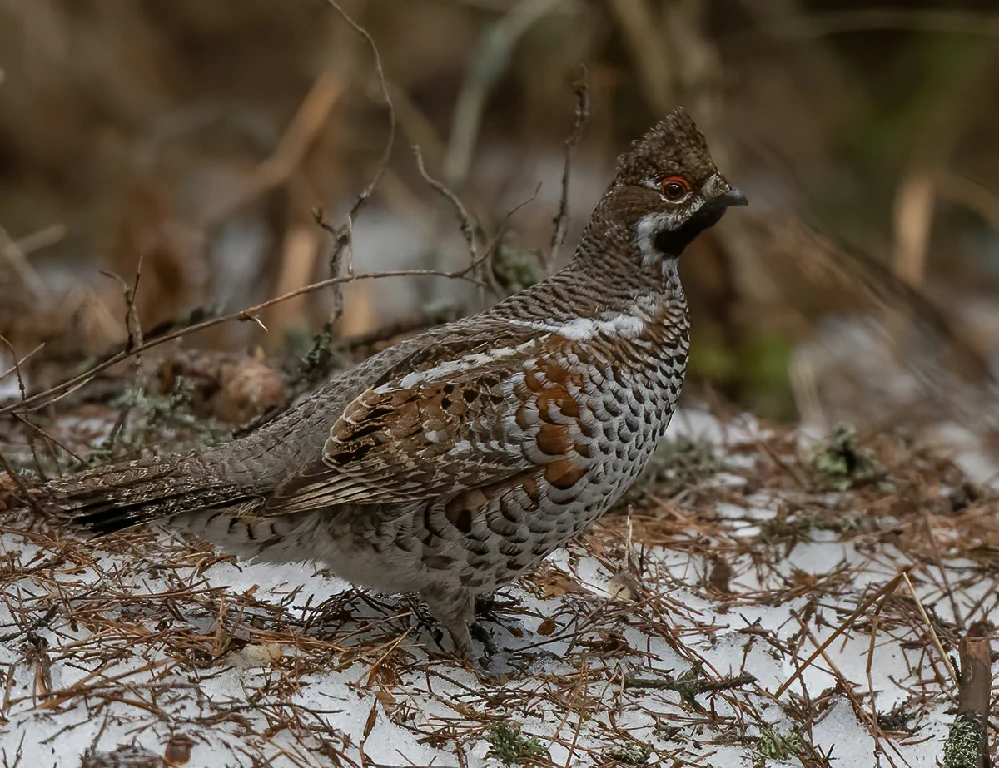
719 192
732 197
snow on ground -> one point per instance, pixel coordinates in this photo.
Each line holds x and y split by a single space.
668 651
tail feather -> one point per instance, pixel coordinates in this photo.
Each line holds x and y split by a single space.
119 496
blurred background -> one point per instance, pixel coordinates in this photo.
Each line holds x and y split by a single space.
860 284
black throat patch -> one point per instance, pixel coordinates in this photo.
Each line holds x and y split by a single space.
673 241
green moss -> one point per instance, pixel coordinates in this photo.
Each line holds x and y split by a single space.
774 745
511 748
315 355
155 414
516 268
840 463
965 743
631 753
784 528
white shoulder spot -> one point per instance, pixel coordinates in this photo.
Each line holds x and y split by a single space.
461 447
583 328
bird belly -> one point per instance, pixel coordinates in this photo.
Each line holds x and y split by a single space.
480 538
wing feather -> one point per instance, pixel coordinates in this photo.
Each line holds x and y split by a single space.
421 435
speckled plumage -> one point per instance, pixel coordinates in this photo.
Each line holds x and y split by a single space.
454 461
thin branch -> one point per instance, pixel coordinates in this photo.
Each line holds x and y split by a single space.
23 391
582 91
468 226
933 633
59 391
886 590
692 686
135 339
18 363
132 325
387 152
48 437
343 235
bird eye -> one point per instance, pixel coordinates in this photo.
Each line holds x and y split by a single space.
674 188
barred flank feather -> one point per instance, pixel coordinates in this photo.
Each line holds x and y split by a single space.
119 496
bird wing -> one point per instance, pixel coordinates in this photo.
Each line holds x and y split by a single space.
470 421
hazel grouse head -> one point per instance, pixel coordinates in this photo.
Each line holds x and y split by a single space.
668 188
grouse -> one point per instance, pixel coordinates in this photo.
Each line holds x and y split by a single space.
451 463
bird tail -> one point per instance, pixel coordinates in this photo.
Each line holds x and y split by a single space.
119 496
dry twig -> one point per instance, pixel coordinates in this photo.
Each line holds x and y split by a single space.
582 92
884 592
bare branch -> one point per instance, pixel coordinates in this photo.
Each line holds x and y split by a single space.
23 390
17 366
468 226
71 385
132 325
18 363
387 152
582 91
343 235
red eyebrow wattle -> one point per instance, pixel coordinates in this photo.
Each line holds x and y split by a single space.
678 180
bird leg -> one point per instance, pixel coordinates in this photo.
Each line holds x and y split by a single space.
455 610
481 634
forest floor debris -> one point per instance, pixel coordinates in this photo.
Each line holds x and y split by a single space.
660 638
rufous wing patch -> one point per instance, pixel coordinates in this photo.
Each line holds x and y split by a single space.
554 439
564 473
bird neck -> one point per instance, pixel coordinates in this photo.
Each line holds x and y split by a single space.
622 284
621 266
608 289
